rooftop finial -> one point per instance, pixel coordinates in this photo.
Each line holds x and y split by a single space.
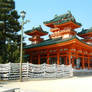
55 15
39 25
33 28
91 28
68 11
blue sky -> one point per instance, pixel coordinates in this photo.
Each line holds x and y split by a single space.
38 11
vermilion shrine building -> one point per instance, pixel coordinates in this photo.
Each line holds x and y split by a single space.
63 45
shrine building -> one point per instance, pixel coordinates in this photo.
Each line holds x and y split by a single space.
64 46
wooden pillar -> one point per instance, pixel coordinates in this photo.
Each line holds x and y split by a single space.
73 62
47 56
39 59
88 62
83 66
76 53
58 56
77 56
66 60
69 56
30 58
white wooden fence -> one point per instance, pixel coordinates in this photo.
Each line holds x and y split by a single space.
11 71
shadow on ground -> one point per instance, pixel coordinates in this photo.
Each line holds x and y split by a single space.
82 74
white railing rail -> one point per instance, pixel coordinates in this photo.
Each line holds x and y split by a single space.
11 71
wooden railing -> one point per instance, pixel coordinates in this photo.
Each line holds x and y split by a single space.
11 71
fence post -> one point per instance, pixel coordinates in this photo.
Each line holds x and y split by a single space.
0 72
11 70
63 70
44 68
71 71
9 73
56 66
27 69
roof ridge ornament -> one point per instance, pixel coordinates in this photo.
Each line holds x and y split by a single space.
62 19
55 16
36 29
68 11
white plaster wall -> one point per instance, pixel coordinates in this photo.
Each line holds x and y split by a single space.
70 36
89 43
67 36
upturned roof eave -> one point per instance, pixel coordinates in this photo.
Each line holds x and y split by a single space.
56 42
37 32
45 45
62 23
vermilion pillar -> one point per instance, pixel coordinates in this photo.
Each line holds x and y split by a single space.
66 60
83 66
88 62
73 62
48 57
30 58
69 56
39 59
58 56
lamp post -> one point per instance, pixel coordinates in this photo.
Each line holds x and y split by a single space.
21 47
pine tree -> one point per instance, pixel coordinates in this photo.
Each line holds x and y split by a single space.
9 38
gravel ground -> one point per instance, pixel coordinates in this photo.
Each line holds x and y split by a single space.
74 84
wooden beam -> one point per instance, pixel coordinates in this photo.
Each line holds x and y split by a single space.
75 41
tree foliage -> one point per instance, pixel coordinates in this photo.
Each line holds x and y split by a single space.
9 38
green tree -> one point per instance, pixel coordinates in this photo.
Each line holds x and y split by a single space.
13 52
9 38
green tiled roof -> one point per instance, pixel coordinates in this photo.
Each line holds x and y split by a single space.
39 28
62 19
84 31
53 41
26 55
48 42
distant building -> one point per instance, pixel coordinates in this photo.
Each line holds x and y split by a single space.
63 46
